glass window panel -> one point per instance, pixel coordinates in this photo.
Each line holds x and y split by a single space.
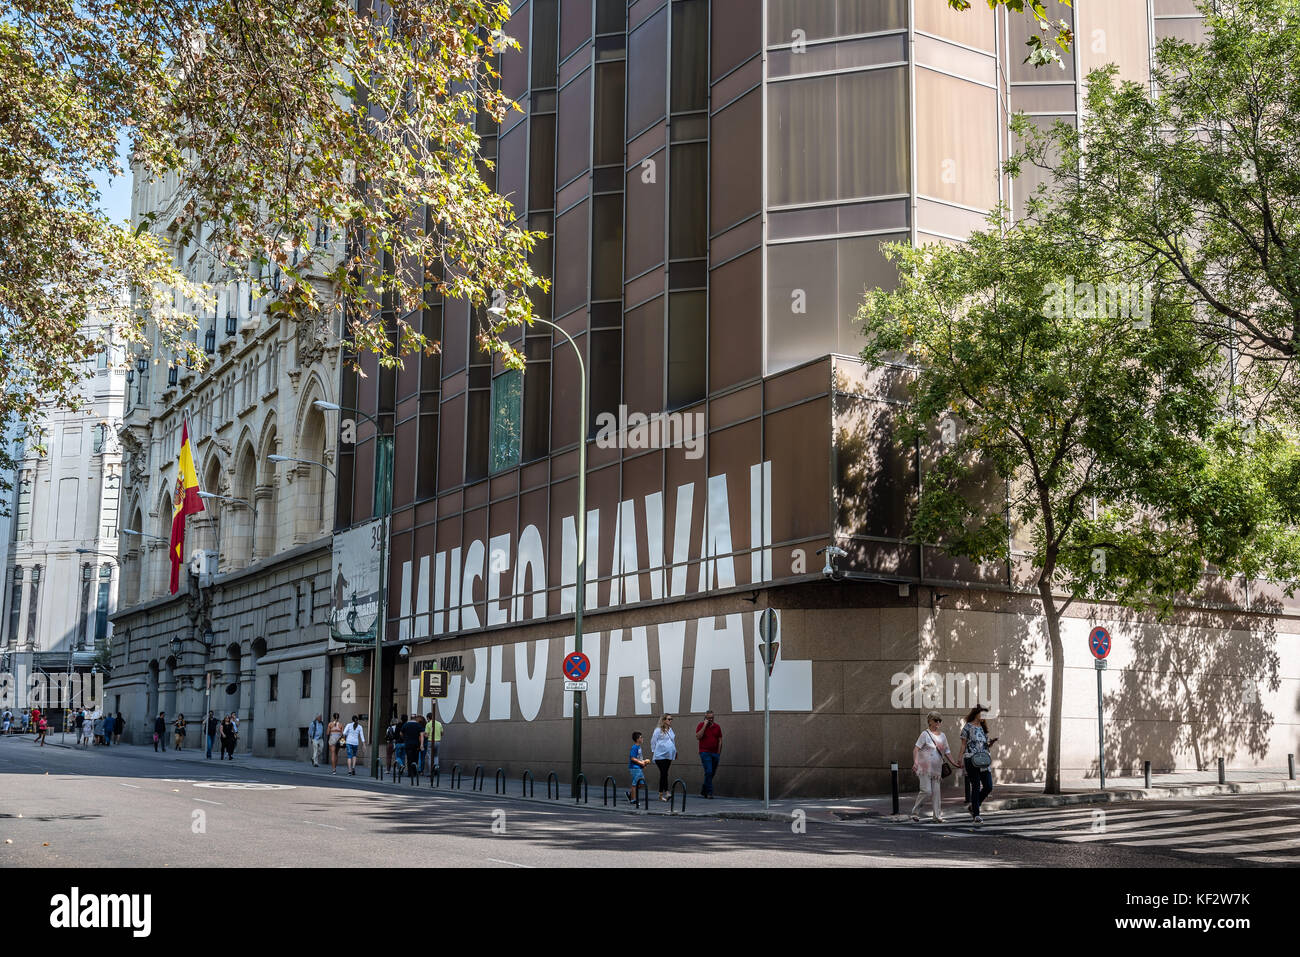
545 42
608 146
819 19
478 424
607 246
606 373
956 140
862 267
514 63
975 27
611 16
510 166
1189 31
736 318
647 65
802 302
645 209
426 475
687 344
740 40
1114 31
643 387
541 165
690 53
537 401
801 141
872 133
575 127
507 419
688 201
869 16
736 162
571 267
575 25
1020 29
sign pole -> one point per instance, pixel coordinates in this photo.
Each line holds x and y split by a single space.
767 625
1101 732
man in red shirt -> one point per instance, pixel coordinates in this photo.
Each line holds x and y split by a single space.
710 737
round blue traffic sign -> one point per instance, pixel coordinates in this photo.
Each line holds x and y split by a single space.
576 666
1099 642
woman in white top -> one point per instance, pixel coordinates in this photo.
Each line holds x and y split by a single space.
928 755
663 748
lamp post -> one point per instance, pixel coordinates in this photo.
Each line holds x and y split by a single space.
581 596
384 485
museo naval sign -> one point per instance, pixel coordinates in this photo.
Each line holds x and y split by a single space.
653 557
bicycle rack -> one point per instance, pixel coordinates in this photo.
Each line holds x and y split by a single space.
480 778
580 779
457 777
604 791
636 795
672 798
435 779
524 783
549 778
499 785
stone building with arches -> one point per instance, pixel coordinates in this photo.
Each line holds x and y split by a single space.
246 632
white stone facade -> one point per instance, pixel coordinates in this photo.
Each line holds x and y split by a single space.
272 528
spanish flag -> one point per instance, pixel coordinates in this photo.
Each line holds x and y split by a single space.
185 501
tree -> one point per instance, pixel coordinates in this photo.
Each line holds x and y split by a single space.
1070 369
1203 174
283 121
1040 53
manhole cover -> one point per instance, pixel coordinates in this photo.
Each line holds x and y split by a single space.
245 786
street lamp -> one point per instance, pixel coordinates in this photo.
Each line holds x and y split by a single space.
132 531
290 458
581 596
384 475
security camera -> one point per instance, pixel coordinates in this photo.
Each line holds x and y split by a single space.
832 553
406 651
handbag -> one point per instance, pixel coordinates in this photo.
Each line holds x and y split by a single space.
947 768
981 759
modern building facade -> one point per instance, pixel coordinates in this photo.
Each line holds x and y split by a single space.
716 177
61 573
247 622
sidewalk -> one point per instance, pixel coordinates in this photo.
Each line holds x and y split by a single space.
1005 797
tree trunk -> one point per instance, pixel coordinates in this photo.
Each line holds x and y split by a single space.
1053 617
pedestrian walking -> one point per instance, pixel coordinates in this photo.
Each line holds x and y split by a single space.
119 725
85 726
110 723
41 727
931 761
335 732
353 738
390 744
26 720
413 738
229 737
179 727
977 760
709 735
79 728
398 735
663 748
316 735
6 721
435 736
160 732
213 732
636 763
98 725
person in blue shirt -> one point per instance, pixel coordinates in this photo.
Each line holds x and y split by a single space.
635 764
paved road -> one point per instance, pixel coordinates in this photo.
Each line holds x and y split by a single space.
129 807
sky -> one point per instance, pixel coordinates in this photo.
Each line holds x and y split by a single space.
115 193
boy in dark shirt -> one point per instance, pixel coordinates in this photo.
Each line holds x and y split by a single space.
413 735
635 763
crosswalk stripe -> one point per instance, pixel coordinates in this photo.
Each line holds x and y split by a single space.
1245 848
1132 830
1074 821
1272 859
1292 828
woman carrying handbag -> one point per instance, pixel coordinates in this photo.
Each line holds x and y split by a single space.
977 760
932 762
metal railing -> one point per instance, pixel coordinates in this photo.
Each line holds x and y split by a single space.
552 776
604 791
580 796
672 797
525 782
457 776
499 784
636 794
480 778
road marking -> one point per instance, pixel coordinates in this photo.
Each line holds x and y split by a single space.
205 801
319 824
1243 848
511 863
246 786
136 786
1166 828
